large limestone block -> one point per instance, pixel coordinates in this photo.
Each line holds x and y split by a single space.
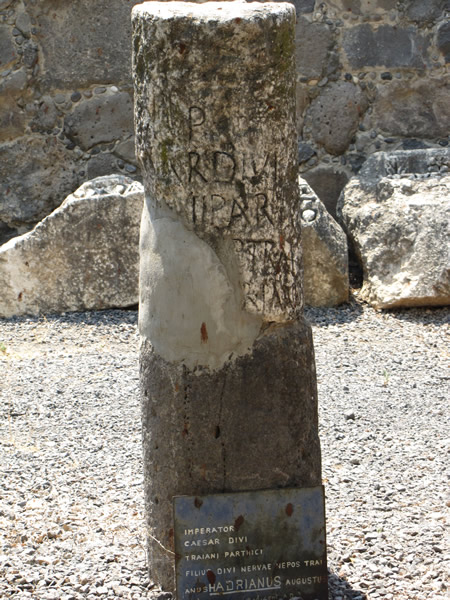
84 255
227 367
48 172
397 213
325 252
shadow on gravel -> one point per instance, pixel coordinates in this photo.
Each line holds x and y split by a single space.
438 315
340 588
89 317
324 316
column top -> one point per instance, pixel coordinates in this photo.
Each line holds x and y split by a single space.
220 11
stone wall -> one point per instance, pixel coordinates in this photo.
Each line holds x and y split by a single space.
66 104
370 77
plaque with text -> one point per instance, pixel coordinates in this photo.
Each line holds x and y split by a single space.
262 545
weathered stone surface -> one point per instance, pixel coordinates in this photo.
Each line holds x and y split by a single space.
303 6
305 152
425 11
126 150
101 165
48 173
443 40
82 256
78 46
314 41
46 116
362 7
227 186
351 6
333 117
7 48
227 432
420 109
226 360
104 118
325 252
386 46
397 213
23 22
14 82
327 182
12 121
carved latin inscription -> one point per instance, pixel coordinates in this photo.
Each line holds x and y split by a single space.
217 187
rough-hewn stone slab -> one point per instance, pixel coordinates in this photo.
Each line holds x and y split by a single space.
82 256
325 252
397 214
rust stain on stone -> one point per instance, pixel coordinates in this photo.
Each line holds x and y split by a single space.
211 577
238 522
204 333
289 509
198 502
281 241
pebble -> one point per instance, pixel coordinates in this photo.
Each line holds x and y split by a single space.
71 485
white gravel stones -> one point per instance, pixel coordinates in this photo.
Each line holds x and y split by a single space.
71 492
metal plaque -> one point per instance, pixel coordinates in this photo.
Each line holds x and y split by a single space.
263 545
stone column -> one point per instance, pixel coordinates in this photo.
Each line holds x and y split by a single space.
227 367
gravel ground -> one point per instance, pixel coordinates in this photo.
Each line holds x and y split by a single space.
71 490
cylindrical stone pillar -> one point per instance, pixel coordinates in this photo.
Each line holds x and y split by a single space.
227 367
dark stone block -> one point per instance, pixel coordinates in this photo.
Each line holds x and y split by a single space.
443 40
100 165
420 109
81 47
7 47
356 161
351 6
425 11
387 46
250 425
47 175
334 116
30 54
303 6
413 144
305 152
101 119
6 233
327 182
314 40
